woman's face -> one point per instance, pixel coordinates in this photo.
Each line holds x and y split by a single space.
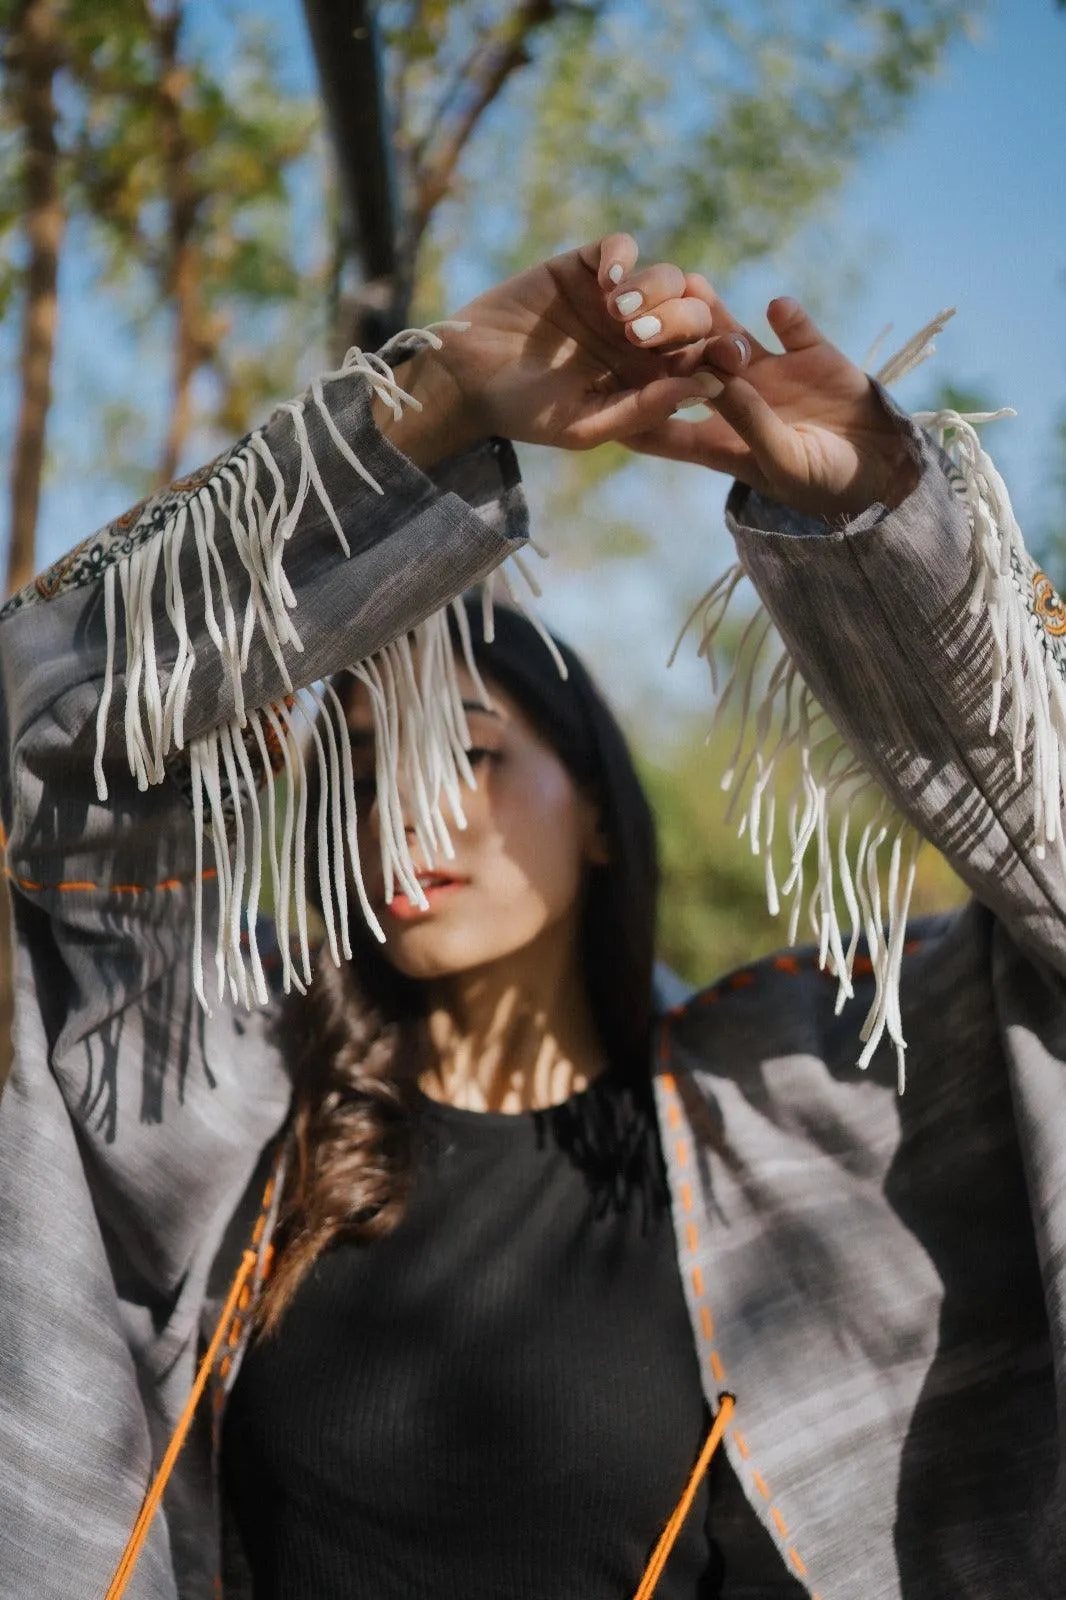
519 864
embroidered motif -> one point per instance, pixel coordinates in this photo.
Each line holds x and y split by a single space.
1044 605
117 540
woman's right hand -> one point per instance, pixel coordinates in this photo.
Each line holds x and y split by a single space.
548 358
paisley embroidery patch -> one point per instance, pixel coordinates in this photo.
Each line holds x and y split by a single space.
117 540
1044 605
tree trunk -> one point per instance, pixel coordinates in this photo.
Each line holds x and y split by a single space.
184 266
35 54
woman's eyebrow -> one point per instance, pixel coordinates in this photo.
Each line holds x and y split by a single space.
482 709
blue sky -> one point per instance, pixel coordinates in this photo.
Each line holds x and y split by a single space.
963 207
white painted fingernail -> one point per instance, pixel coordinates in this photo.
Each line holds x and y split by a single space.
629 302
711 386
693 400
646 327
616 273
742 345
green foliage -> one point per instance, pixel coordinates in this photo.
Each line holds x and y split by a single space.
714 130
239 142
240 138
714 914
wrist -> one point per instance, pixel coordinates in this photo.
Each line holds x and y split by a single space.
441 425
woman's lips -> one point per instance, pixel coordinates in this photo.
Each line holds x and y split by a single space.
436 886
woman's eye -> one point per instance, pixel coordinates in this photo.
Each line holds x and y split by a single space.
479 753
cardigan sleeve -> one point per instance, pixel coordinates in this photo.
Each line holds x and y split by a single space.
936 646
151 678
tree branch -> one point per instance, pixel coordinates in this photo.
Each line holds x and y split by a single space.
35 55
486 70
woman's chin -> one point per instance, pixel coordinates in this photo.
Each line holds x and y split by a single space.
430 946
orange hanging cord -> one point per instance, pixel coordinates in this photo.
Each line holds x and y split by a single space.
135 1542
667 1539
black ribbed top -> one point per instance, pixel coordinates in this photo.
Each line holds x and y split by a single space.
498 1401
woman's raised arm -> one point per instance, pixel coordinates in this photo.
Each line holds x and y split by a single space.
889 559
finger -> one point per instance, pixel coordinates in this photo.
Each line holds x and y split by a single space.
773 444
793 326
728 353
710 444
672 323
611 258
644 291
634 410
698 287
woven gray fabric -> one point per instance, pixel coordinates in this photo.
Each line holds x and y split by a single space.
878 1280
132 1122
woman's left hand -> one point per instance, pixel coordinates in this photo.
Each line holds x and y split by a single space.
805 428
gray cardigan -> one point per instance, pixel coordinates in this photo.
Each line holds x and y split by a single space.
879 1280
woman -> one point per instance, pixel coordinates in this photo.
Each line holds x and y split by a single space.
876 1280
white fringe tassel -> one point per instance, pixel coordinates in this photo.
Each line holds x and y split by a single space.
784 720
780 722
1021 645
419 721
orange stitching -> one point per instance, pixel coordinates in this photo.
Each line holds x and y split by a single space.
86 886
784 963
674 1119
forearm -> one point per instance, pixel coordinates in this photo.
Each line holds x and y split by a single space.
439 424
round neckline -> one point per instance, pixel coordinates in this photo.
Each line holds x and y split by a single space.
464 1116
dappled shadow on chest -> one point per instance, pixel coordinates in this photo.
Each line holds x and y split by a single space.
610 1134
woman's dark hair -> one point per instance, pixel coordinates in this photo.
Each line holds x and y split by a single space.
351 1040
